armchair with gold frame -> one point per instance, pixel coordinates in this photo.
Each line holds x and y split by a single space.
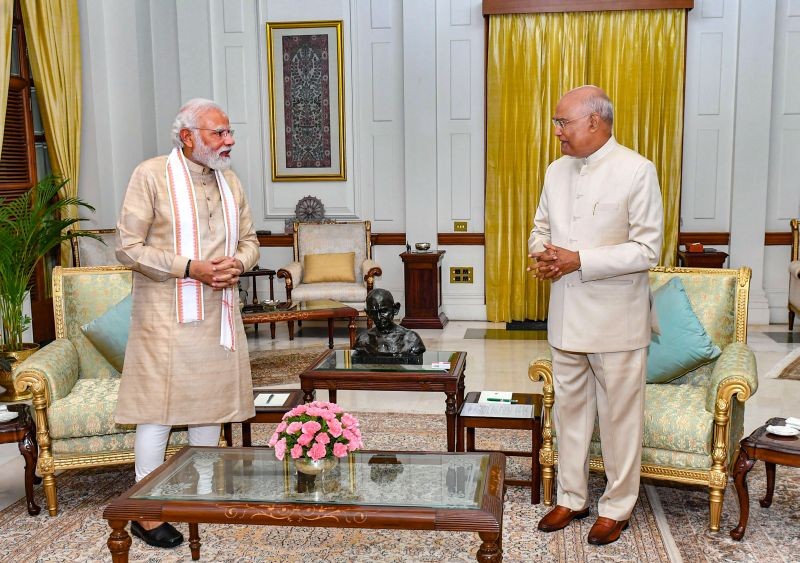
332 238
88 251
692 425
794 275
74 387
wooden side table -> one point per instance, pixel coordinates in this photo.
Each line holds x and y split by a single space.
772 450
253 275
423 287
534 424
265 415
23 431
703 259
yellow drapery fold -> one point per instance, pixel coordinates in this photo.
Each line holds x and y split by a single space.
637 57
53 36
6 20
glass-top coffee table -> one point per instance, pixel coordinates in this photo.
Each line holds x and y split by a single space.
316 309
391 490
441 372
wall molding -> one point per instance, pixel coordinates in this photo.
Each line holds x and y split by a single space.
479 239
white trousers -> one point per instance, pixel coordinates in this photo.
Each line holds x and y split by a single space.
151 444
609 385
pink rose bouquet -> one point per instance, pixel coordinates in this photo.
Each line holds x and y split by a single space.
316 430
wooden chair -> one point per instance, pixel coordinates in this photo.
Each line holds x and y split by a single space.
794 275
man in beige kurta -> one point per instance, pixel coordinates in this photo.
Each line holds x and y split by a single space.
179 373
597 230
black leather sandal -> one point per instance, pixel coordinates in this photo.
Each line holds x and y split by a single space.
163 536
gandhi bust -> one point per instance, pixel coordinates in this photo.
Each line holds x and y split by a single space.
386 339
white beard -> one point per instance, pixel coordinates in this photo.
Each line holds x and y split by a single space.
206 156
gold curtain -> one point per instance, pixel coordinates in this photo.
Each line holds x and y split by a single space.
637 57
6 20
52 32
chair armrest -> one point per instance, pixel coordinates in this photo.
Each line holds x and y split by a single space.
293 273
50 373
370 269
734 373
794 269
542 369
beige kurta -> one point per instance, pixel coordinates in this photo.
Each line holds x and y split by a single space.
179 373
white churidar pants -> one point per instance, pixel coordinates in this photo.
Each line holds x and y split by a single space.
610 385
151 444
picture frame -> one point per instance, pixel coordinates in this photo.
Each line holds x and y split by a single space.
306 101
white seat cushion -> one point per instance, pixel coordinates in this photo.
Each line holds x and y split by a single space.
338 291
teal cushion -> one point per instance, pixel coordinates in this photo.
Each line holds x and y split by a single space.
683 344
109 332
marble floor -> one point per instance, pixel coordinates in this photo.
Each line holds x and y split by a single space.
492 364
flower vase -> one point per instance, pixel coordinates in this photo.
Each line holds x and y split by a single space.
308 466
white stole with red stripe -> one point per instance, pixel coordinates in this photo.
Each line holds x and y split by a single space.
186 234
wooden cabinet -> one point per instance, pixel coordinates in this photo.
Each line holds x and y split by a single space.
423 286
706 259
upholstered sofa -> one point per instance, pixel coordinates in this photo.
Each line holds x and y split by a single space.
692 424
74 387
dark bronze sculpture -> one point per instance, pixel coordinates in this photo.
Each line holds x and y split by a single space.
386 339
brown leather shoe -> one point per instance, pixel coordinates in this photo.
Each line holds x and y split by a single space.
605 530
560 517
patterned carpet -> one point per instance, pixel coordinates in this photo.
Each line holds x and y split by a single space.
272 367
79 533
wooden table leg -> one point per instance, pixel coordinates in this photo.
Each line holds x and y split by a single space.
490 551
194 541
450 411
291 329
743 465
119 542
247 436
330 333
766 502
308 395
30 451
227 433
351 326
536 470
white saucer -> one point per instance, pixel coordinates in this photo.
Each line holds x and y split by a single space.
792 421
8 415
783 430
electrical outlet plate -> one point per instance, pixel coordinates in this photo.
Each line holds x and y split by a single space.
461 274
460 226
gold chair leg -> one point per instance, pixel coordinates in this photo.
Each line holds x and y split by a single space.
547 485
715 497
49 484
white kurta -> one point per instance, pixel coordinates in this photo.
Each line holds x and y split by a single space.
179 373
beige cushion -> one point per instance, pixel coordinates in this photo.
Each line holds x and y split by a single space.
338 267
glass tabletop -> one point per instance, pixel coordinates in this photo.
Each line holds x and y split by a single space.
266 307
431 480
347 360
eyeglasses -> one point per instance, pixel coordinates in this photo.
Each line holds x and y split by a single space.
562 123
218 133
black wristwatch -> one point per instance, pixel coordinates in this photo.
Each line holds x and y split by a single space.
186 272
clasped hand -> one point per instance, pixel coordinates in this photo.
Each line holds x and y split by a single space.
219 272
554 262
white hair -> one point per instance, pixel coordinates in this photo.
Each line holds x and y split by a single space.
598 102
187 117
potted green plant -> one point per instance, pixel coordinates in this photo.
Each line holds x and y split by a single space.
31 225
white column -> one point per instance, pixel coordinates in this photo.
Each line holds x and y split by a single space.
419 106
751 147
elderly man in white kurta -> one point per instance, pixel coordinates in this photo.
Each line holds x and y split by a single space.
186 231
597 230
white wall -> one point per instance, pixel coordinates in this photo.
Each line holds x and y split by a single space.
414 119
742 135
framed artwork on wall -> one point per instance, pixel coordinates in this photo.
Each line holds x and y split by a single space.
306 98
